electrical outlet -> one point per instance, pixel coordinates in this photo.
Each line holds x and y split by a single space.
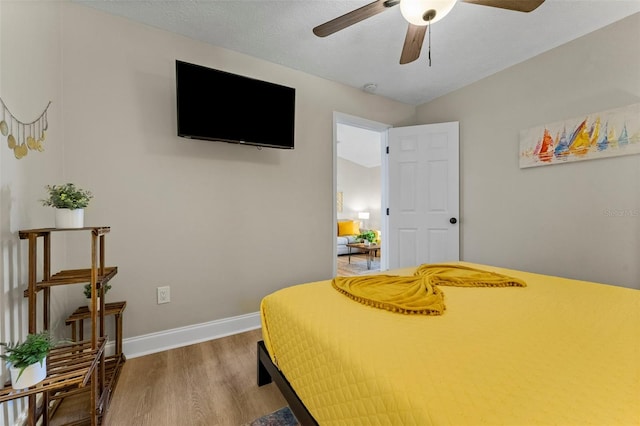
164 295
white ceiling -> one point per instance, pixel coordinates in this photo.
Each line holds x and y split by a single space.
358 145
470 43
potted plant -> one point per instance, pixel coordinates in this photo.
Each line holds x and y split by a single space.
87 294
367 237
27 361
69 202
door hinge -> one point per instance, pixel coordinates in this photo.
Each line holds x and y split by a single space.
387 150
387 211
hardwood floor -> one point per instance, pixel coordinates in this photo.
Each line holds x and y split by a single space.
209 383
358 265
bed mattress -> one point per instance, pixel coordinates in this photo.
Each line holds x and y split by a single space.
557 352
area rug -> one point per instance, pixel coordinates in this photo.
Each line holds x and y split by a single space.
358 266
282 417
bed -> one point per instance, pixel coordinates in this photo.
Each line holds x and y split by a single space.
556 352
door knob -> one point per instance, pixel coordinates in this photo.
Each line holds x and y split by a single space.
453 221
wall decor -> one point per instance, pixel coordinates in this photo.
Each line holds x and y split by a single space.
23 136
610 133
339 202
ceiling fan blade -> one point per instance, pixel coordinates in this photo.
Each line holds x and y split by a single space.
413 43
517 5
353 17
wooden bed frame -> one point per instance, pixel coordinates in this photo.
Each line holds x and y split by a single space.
267 371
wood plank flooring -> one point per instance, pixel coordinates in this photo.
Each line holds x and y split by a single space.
210 383
358 265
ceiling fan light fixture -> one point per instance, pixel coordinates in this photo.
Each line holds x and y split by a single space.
418 12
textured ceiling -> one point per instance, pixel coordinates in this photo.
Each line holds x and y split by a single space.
470 43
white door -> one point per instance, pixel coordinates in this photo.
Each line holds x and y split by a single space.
423 195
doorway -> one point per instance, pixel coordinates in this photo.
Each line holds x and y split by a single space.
430 233
360 184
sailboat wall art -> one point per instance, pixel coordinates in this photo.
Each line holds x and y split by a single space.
604 134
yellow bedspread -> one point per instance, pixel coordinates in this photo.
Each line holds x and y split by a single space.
557 352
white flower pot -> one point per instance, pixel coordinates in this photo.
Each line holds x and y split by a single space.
90 306
67 218
31 375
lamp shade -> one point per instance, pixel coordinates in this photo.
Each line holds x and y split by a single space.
363 215
414 10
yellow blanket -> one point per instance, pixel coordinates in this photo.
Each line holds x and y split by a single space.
466 276
407 295
418 294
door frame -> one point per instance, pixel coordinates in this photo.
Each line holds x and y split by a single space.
383 129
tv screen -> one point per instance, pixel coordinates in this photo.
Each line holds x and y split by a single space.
219 106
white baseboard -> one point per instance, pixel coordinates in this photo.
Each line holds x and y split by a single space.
177 337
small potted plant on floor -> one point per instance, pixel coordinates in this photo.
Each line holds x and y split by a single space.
27 361
87 294
69 202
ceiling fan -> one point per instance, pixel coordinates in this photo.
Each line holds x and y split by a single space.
420 14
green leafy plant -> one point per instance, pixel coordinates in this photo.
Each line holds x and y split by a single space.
87 290
367 235
67 196
34 349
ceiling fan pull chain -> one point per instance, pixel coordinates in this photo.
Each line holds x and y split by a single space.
429 40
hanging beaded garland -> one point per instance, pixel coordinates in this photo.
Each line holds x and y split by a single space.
21 136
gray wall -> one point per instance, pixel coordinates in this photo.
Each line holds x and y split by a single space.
550 219
216 222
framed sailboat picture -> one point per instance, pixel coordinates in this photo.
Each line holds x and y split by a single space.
599 135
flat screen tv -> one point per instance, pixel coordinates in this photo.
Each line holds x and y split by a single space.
216 105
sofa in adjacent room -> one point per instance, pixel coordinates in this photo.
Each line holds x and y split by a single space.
348 230
342 244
